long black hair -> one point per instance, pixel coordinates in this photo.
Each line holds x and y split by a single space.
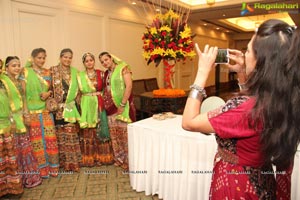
275 84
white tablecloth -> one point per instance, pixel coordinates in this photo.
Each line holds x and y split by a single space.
166 160
176 164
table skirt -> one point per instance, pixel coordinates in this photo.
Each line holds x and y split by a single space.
176 164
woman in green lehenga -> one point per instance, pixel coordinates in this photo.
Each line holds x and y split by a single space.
41 129
118 103
94 135
14 86
10 180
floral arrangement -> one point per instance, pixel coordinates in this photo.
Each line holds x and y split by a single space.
167 37
169 92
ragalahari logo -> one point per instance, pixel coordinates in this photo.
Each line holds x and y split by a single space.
245 9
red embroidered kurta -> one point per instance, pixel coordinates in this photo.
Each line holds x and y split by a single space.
238 172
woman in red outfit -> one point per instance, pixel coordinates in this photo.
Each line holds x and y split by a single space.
258 128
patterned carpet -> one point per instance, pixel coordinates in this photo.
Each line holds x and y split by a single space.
97 183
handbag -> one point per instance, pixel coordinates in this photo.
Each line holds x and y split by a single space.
51 104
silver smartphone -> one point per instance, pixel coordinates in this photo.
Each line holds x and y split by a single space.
222 56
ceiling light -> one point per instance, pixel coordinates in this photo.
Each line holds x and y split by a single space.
250 23
210 2
200 2
133 3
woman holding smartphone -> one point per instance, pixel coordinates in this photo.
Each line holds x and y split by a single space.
258 128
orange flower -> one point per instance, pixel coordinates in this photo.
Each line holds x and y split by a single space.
168 37
169 92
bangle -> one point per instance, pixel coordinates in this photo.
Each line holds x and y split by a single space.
196 94
122 104
201 90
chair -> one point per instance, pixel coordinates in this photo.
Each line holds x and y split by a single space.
211 103
151 84
138 87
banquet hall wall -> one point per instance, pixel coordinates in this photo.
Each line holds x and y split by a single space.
91 26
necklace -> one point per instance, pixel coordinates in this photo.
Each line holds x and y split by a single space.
37 70
91 75
66 73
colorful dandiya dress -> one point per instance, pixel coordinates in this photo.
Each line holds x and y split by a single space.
94 136
113 94
10 180
238 171
42 129
27 163
65 89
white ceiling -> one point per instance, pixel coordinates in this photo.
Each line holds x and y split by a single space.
212 15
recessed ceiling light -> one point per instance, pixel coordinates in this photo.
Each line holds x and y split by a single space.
224 15
157 10
204 24
133 3
250 23
200 2
218 28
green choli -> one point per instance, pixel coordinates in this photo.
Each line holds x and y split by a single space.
34 87
88 104
5 111
15 102
117 91
70 113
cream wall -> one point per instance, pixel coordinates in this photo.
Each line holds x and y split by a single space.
82 25
90 26
204 36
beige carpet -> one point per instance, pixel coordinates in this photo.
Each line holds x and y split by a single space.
97 183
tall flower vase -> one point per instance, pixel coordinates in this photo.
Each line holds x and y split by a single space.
169 70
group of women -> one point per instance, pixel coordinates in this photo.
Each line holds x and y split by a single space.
58 118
